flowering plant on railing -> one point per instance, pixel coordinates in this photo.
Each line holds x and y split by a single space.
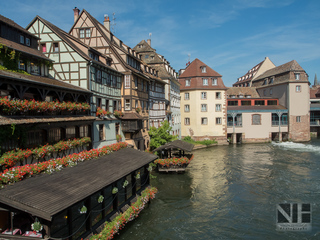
9 159
101 112
138 109
24 106
118 114
16 174
113 227
173 161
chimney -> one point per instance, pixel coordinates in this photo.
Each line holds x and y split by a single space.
106 22
149 42
76 13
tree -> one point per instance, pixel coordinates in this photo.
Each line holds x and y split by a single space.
160 136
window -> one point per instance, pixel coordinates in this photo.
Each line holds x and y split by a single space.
271 80
298 118
127 104
101 132
214 82
298 88
203 107
218 107
34 68
218 121
187 108
205 82
27 41
264 82
218 95
83 131
270 91
204 69
81 33
88 33
22 65
259 102
232 103
21 39
297 76
256 119
99 102
203 95
127 81
55 47
187 121
43 47
188 82
54 135
186 96
204 121
70 132
98 76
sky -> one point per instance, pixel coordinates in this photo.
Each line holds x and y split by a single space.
230 36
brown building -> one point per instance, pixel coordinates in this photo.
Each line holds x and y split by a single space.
135 88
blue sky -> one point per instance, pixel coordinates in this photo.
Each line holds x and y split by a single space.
230 36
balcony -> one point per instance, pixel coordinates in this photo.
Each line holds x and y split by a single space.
131 125
315 122
236 124
282 123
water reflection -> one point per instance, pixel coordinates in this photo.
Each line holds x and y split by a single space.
231 192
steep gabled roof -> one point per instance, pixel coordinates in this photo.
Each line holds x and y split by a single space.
194 70
145 47
101 28
287 67
15 25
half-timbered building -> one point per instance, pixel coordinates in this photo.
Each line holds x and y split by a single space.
135 90
171 96
83 66
24 72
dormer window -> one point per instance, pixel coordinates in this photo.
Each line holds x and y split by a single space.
188 82
271 80
297 76
203 69
264 82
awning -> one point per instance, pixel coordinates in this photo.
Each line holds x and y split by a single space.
47 194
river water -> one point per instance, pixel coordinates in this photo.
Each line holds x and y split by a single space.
232 192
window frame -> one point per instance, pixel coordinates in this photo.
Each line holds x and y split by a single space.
187 94
218 95
187 121
298 88
204 107
214 82
186 108
218 107
253 121
218 121
204 121
205 82
188 82
203 95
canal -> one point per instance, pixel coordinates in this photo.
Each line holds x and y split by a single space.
232 192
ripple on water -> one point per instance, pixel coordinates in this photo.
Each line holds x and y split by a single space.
231 192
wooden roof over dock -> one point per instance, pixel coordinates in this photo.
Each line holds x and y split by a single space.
47 194
177 144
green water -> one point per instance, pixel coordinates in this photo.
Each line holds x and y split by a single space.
231 192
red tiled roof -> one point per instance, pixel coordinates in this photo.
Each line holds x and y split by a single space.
195 70
194 73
